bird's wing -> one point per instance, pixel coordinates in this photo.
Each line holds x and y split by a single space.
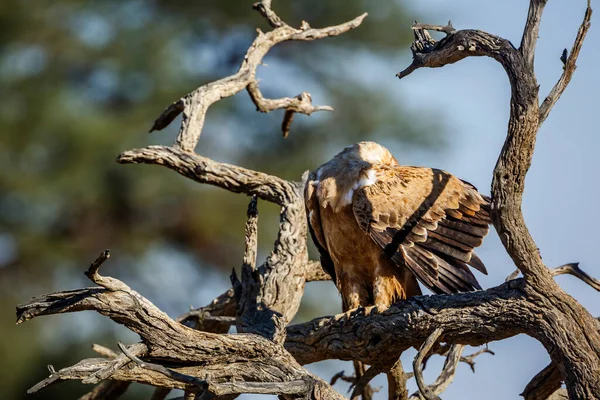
313 212
427 220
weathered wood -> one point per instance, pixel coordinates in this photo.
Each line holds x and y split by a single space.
569 333
194 105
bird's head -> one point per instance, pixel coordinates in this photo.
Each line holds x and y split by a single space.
369 152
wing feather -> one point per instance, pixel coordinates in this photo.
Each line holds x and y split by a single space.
428 221
313 212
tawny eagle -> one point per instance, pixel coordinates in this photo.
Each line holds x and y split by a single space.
380 226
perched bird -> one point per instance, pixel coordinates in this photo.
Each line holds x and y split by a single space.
380 226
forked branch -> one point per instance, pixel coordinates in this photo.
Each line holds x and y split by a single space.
195 104
569 66
446 376
199 360
580 354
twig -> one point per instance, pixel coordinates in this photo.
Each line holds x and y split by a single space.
573 269
104 351
286 124
568 66
345 378
425 391
363 381
264 8
92 272
470 359
447 29
117 362
447 375
302 103
106 282
54 376
187 379
443 349
513 275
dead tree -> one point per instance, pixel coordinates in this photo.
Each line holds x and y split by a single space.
195 354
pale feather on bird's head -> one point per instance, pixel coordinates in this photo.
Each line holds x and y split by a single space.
349 170
370 152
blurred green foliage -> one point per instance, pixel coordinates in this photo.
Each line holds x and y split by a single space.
81 81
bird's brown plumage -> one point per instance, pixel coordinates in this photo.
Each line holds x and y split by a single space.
379 225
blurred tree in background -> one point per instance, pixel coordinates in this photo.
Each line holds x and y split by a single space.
81 81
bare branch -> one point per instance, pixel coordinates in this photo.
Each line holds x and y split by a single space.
252 317
187 379
204 170
341 375
447 375
106 390
222 306
582 349
286 124
546 382
302 103
455 47
92 272
104 351
569 66
573 269
425 390
195 104
531 31
447 29
362 382
513 275
220 313
118 362
468 318
397 378
196 358
167 116
470 359
365 391
264 8
443 349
